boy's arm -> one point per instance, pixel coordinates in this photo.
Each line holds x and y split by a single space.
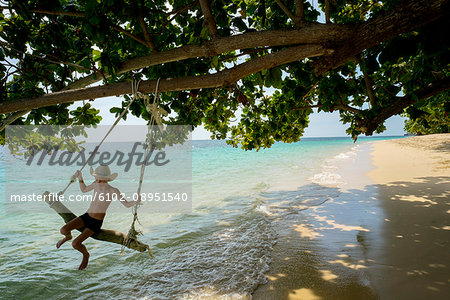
125 202
83 187
86 188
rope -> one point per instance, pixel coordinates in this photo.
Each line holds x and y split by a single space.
133 233
133 90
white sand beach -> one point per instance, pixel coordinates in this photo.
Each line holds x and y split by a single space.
383 238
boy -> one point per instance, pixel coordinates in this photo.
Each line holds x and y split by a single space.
92 220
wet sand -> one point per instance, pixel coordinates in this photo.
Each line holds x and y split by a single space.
384 236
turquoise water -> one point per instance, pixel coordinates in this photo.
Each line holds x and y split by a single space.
222 247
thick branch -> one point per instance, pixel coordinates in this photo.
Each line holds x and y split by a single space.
368 126
406 16
210 23
104 234
219 79
312 34
352 39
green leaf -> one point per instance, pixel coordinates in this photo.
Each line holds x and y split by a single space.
96 55
204 34
239 23
214 62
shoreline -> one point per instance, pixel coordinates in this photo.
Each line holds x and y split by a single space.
363 244
320 252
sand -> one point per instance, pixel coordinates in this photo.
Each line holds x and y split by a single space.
413 180
383 237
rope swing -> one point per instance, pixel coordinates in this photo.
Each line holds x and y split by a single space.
155 117
73 178
156 113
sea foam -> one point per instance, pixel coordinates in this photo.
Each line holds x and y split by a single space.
329 174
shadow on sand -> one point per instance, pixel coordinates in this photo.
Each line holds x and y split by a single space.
413 261
384 241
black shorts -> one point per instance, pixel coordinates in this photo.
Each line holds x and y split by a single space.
91 223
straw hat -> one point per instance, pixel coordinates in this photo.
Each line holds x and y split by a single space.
103 173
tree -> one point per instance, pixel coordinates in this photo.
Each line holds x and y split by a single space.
370 60
427 117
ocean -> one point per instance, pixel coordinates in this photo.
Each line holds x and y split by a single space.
219 248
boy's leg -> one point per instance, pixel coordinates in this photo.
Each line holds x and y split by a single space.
66 229
78 244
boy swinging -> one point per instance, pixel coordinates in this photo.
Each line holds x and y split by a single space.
92 220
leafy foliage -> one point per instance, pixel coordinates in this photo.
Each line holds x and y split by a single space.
429 118
28 140
47 45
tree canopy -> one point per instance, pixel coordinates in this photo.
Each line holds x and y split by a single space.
369 60
429 117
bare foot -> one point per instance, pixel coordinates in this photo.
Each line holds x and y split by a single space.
84 262
62 241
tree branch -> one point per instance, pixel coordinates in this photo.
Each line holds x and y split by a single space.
350 39
349 108
59 13
327 11
299 10
147 37
406 16
175 13
210 23
339 107
219 79
6 45
286 11
264 14
137 39
295 108
311 34
368 82
369 88
310 90
368 126
82 15
11 118
183 8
